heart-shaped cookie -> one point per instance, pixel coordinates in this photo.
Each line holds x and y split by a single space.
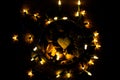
64 42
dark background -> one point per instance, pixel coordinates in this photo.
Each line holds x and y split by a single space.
102 13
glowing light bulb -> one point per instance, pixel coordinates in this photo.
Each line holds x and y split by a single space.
79 3
68 75
58 73
91 62
42 61
96 33
25 11
95 57
15 37
83 12
65 18
85 46
89 73
30 74
35 48
55 18
59 2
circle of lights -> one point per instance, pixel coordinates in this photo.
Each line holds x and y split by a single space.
66 45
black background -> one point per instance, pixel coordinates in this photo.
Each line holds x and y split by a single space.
103 13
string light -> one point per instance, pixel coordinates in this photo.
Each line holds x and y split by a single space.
51 53
79 3
42 61
30 74
65 18
15 37
68 74
29 38
89 73
58 72
59 2
25 11
83 12
55 18
85 46
35 48
95 57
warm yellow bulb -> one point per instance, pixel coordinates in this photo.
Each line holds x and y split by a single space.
85 46
89 73
58 73
79 3
77 14
59 2
68 75
48 21
83 12
96 33
91 62
25 11
97 46
30 74
95 57
15 37
65 18
55 18
95 40
42 61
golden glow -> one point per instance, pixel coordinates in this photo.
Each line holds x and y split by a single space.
83 66
96 40
36 58
50 49
96 33
29 38
35 16
32 59
77 14
83 12
87 24
15 37
79 3
53 52
55 18
64 62
42 61
59 2
30 74
97 46
59 56
85 46
68 75
89 73
58 73
64 42
25 10
69 56
35 48
95 57
48 21
91 62
65 18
